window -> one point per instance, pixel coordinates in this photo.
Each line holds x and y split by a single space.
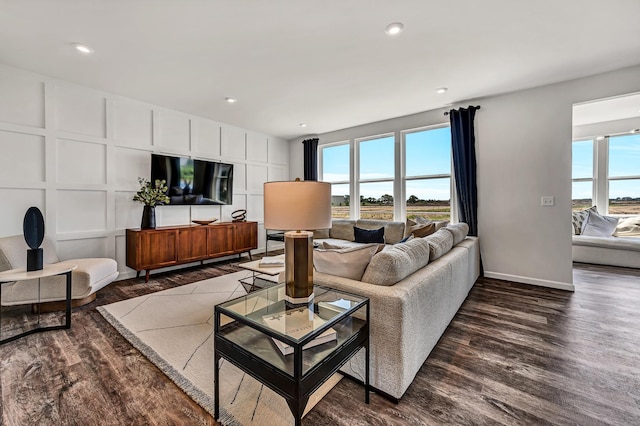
582 175
335 166
428 173
606 173
624 174
376 177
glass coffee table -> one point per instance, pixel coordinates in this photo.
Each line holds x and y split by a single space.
292 349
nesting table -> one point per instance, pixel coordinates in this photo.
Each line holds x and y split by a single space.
243 338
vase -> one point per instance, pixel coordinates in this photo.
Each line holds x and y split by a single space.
148 218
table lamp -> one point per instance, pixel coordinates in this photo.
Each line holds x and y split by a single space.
297 207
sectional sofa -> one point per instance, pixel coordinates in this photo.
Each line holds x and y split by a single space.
415 289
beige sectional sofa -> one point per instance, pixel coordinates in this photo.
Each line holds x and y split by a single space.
415 288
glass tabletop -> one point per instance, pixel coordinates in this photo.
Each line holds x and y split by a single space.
268 307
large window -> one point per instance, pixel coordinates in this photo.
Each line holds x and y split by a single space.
606 173
582 175
624 174
376 177
335 165
428 173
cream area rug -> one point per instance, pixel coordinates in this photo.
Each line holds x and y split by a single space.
174 330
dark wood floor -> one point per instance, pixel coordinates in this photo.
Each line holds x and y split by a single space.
514 354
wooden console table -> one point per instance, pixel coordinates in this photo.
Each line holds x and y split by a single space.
149 249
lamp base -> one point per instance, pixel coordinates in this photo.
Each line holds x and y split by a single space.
298 267
34 259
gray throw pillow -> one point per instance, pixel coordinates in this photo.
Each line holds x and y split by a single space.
599 226
348 262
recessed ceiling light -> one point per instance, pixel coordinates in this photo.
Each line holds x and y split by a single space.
83 48
635 131
441 90
231 100
303 124
394 28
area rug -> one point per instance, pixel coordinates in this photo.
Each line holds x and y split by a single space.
174 330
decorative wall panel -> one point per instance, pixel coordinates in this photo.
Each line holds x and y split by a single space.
256 177
21 99
278 173
128 212
239 177
15 203
80 111
174 131
128 165
255 208
206 137
80 211
81 163
234 142
278 151
172 215
82 248
133 123
21 145
256 147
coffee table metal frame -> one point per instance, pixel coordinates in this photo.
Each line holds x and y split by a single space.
60 268
246 342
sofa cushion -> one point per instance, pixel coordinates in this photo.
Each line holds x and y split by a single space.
596 225
368 235
459 231
615 243
394 263
347 262
342 229
439 243
577 219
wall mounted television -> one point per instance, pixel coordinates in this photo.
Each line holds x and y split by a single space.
194 182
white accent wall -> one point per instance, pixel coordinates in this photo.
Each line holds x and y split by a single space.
76 153
523 142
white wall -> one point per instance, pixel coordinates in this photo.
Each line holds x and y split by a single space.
76 153
523 152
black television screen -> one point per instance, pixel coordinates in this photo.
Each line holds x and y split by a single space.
194 181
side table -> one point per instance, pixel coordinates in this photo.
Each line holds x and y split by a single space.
60 268
262 273
242 337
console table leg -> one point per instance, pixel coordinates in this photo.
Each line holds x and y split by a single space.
146 277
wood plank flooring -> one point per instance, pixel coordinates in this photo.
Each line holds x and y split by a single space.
514 354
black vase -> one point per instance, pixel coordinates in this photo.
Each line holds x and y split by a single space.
148 218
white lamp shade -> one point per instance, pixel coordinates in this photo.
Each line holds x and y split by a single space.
297 205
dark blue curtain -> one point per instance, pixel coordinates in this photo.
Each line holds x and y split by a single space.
463 143
310 159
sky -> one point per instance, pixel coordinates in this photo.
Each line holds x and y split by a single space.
428 152
624 160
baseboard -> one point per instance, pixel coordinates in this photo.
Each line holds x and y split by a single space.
528 280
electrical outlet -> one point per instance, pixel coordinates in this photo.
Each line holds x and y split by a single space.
547 201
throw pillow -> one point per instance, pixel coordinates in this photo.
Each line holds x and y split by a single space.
578 218
423 230
405 239
599 226
342 229
347 262
628 227
326 245
368 235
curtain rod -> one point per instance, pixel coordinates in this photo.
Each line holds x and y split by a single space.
447 112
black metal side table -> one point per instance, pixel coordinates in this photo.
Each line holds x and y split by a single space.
245 336
60 268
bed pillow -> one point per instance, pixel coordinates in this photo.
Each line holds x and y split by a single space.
348 262
599 226
368 235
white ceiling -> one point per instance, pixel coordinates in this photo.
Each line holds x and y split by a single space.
327 63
